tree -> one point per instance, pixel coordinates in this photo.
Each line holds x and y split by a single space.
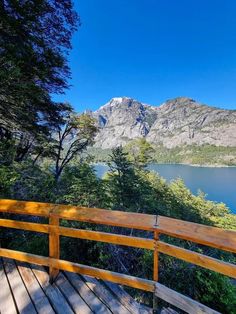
72 137
123 181
35 37
79 185
140 152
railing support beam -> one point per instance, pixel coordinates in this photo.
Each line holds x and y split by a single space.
54 246
155 269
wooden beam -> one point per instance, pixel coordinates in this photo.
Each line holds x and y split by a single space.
155 257
29 226
25 207
54 245
107 237
180 301
81 234
206 235
91 215
155 269
198 259
131 281
25 257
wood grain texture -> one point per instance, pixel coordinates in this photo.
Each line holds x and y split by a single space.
25 207
93 215
198 259
155 269
29 226
180 301
35 291
155 257
55 296
7 305
25 257
68 294
126 299
86 293
54 246
131 281
206 235
212 236
107 237
22 299
73 298
105 295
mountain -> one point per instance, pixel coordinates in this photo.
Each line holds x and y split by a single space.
177 122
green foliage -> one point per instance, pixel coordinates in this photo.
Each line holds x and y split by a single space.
129 187
8 176
7 152
186 154
123 181
79 185
98 154
35 37
196 155
72 138
139 151
215 290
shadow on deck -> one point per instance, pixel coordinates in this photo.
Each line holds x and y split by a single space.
25 288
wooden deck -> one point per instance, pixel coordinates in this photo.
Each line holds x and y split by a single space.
25 288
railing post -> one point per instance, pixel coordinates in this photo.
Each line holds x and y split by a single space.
54 245
155 265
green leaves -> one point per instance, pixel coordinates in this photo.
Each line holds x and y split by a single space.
34 39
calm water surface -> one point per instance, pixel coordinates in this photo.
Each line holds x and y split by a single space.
218 183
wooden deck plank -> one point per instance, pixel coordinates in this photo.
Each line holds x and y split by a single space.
106 296
94 302
55 296
20 293
78 305
181 301
7 305
126 299
35 291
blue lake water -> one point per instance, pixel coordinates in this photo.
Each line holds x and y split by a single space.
218 183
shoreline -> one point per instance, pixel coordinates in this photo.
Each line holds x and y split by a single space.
181 163
195 165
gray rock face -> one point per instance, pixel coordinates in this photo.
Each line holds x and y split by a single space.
177 122
121 120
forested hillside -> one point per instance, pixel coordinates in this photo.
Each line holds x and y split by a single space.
42 158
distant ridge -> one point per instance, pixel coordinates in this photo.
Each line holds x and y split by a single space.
176 122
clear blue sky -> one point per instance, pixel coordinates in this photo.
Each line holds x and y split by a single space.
153 50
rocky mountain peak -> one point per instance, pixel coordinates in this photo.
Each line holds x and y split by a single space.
176 122
116 101
178 102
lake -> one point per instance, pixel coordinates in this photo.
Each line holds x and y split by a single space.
218 183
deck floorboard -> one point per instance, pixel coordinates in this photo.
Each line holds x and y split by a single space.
20 294
25 289
7 304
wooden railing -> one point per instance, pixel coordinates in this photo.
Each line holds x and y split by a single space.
201 234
